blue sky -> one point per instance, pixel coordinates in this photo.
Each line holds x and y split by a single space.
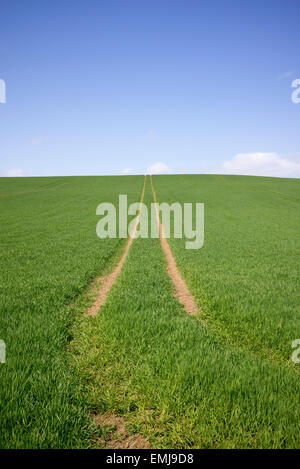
111 87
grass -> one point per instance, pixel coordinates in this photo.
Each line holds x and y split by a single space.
246 277
174 380
221 380
49 253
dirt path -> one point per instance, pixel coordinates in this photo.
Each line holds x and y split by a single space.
117 436
182 292
108 281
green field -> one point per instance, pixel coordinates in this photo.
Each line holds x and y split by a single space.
49 253
224 379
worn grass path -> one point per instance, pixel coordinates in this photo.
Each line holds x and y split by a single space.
174 382
143 365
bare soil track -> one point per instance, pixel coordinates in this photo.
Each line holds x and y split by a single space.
108 281
118 436
182 292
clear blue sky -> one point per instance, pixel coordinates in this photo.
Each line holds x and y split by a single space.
102 86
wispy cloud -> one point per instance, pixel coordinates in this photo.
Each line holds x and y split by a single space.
12 173
127 171
286 74
260 164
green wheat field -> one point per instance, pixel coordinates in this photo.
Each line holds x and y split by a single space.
222 379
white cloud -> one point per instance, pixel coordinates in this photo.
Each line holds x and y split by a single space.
260 164
286 74
127 171
12 173
158 168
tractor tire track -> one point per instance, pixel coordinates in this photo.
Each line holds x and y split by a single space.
182 292
108 281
